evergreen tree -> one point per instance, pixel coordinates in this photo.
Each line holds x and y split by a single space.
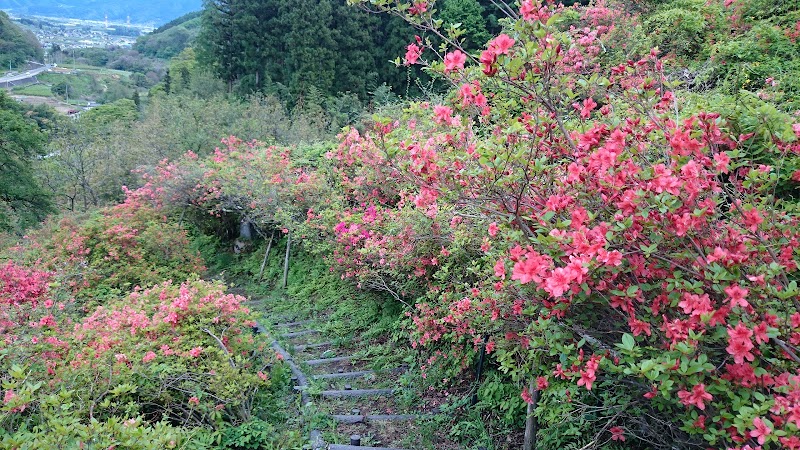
469 14
309 49
218 40
357 59
186 77
260 43
281 46
167 82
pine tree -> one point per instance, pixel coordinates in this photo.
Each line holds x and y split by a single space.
468 13
167 82
292 45
357 60
309 48
218 41
186 77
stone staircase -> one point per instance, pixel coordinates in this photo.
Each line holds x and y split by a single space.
356 400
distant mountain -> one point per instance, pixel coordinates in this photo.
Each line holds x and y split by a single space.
140 11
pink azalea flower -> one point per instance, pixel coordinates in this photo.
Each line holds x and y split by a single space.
413 53
502 44
454 61
617 434
696 397
493 229
761 430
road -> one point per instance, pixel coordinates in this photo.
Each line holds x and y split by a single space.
25 75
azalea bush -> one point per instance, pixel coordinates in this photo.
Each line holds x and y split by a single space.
111 251
174 357
627 247
269 187
623 253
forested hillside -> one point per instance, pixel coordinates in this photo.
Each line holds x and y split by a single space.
171 38
23 201
449 224
17 45
330 46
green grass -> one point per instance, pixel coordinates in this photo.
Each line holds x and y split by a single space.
88 84
39 90
80 84
97 70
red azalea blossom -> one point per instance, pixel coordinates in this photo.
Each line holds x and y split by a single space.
696 397
442 114
739 343
761 431
501 44
737 295
493 229
500 269
418 8
542 383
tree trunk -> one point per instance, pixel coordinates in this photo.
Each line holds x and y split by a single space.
286 260
266 255
531 425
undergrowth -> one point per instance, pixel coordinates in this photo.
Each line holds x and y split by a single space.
353 315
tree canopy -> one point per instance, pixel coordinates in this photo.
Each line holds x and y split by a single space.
17 45
22 200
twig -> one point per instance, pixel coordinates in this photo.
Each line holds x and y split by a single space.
222 346
786 349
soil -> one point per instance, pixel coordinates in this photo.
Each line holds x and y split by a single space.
61 107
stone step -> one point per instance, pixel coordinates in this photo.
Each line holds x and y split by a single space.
317 443
300 348
294 324
354 447
319 362
300 333
329 376
349 418
357 393
302 380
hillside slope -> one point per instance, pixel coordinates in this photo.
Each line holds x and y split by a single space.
170 39
17 45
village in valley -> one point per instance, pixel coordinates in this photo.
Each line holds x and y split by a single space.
70 77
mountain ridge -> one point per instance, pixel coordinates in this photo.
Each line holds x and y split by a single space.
139 11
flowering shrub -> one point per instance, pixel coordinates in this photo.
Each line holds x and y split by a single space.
19 285
252 182
625 258
111 251
179 354
621 247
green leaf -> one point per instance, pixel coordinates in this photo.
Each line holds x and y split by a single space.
628 342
